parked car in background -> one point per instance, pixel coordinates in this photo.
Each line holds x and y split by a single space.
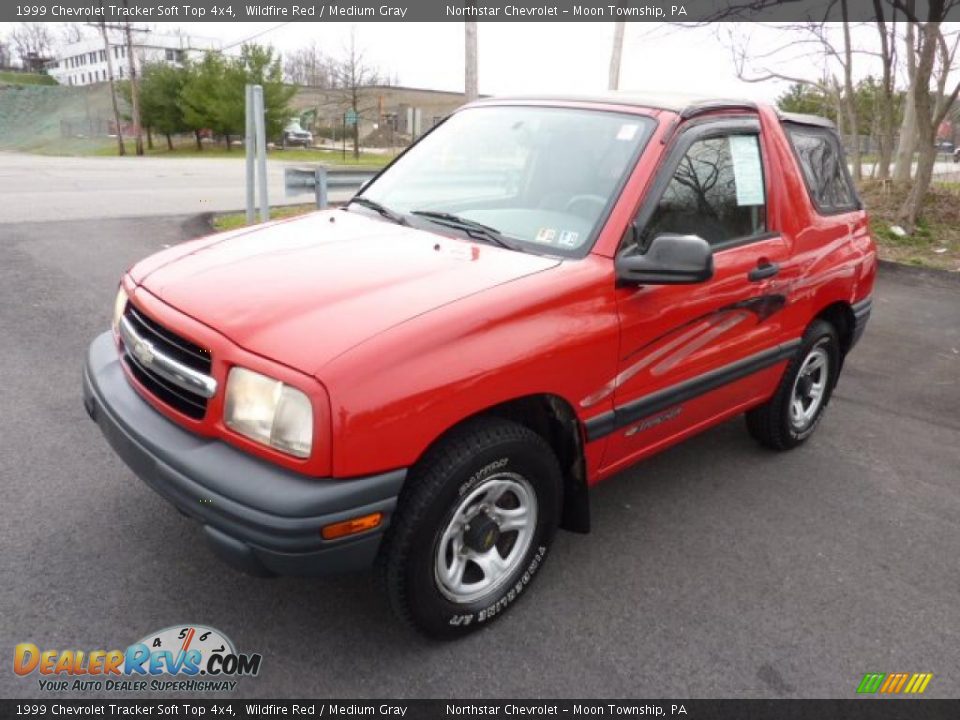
945 147
536 295
294 135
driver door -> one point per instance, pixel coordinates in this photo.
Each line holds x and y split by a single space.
691 354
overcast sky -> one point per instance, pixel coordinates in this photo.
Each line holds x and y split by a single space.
551 57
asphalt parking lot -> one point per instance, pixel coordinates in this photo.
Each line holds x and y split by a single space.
716 569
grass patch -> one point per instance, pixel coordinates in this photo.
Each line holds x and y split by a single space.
189 150
16 78
934 243
232 221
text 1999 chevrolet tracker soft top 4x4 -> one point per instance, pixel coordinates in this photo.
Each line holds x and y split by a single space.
535 295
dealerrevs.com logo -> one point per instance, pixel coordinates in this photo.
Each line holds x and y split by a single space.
182 658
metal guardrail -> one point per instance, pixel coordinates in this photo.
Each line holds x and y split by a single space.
320 180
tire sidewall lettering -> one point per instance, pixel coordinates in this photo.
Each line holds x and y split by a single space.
482 474
507 597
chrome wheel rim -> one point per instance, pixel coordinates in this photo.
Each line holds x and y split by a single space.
809 388
486 538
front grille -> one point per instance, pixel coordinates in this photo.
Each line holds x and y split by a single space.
173 346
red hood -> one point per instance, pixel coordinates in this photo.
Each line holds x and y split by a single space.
338 276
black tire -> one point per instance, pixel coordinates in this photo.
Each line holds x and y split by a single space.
771 424
472 457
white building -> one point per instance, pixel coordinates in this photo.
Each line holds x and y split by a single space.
85 62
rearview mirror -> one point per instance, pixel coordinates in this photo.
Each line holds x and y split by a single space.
669 260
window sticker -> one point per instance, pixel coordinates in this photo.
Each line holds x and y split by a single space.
747 170
568 238
627 131
545 235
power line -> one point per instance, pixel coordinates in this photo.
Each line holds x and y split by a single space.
256 35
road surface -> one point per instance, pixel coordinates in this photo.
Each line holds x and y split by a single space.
716 569
38 187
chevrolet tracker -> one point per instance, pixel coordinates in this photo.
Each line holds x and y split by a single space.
533 297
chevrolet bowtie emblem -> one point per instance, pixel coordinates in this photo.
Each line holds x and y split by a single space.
144 352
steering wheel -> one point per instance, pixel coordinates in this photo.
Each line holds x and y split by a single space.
583 200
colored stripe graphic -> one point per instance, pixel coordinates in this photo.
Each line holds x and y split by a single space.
870 683
894 683
919 682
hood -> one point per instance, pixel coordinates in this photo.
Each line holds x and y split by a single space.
304 291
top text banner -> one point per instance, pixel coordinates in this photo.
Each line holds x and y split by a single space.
454 10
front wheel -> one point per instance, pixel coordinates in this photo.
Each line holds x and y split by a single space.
474 527
795 410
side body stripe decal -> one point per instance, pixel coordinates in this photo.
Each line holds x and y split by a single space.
630 412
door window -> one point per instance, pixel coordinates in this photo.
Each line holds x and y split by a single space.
716 192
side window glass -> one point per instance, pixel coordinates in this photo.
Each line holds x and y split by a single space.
822 163
717 192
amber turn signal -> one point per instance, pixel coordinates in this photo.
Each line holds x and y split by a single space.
352 526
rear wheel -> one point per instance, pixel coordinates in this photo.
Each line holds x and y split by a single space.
473 528
795 410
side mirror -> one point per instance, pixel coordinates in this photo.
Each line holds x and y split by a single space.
670 260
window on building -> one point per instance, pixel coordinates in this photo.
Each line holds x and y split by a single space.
716 192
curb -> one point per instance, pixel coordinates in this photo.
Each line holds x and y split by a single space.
197 226
888 267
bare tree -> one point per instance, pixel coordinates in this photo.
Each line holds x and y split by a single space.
812 41
33 43
903 163
6 57
885 110
352 73
930 109
121 149
616 54
72 32
309 66
849 94
470 85
134 86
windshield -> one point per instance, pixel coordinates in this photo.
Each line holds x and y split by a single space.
544 177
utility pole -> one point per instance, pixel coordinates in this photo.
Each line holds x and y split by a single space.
615 55
113 90
470 61
134 90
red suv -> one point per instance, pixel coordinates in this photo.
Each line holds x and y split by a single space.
535 296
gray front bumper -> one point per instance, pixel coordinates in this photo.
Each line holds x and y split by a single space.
259 517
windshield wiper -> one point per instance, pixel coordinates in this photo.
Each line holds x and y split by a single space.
389 214
472 228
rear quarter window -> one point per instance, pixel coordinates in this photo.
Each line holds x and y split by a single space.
824 168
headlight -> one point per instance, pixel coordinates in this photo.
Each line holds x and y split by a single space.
119 305
268 411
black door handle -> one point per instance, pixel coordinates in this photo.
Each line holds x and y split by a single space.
762 272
